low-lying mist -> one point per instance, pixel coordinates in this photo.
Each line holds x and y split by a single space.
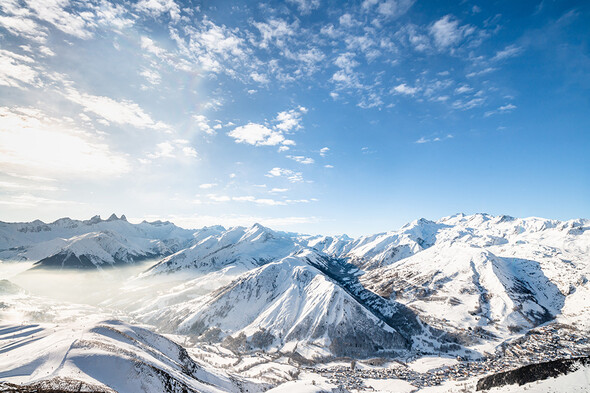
121 292
76 286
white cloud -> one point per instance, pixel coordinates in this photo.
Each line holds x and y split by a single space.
156 8
206 186
447 32
346 61
371 100
503 109
257 135
293 177
468 104
152 76
189 152
481 72
275 31
10 185
260 135
13 70
33 143
21 25
419 41
28 200
259 201
509 51
170 149
305 6
302 159
218 48
346 20
405 89
394 8
120 112
324 151
260 78
218 198
112 15
290 120
275 190
57 13
203 124
164 150
434 139
463 89
149 45
46 51
328 166
507 107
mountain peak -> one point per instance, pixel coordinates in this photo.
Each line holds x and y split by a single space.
94 220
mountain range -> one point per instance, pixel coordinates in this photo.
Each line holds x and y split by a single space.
460 285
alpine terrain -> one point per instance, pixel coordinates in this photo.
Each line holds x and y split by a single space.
108 305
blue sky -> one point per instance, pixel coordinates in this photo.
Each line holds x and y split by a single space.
307 115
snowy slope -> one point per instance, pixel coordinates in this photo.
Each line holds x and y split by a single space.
468 287
65 346
105 355
245 248
289 305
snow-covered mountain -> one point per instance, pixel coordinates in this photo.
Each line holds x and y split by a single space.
459 284
68 243
292 306
246 248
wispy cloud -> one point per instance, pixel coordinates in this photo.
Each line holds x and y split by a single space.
203 124
292 176
28 200
433 139
305 6
405 89
34 143
509 51
156 8
302 159
124 112
502 109
16 70
447 32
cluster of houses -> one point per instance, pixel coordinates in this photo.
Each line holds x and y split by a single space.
554 341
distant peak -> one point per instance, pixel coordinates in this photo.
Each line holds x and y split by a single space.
158 223
94 220
505 218
257 227
113 217
123 218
